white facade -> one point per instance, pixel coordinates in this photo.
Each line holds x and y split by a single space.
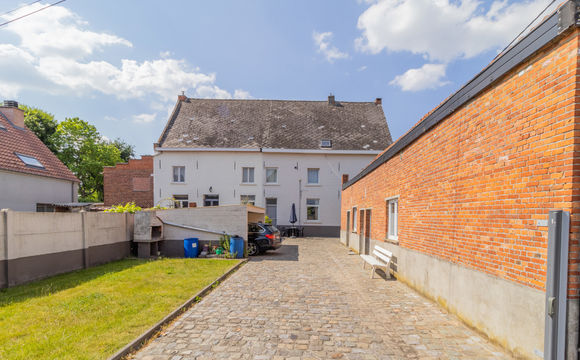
220 172
22 192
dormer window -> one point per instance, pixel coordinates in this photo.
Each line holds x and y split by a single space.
325 143
30 161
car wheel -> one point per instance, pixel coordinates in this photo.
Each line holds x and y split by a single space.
253 249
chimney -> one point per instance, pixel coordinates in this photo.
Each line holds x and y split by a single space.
344 178
331 99
378 101
13 113
182 97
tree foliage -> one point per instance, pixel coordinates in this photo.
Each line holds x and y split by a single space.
85 152
127 151
42 124
80 147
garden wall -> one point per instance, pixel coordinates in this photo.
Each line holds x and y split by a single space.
38 245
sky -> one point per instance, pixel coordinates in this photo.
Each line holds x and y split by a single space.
121 64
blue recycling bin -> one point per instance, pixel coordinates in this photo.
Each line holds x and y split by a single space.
237 246
191 247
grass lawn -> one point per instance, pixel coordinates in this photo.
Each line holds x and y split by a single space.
92 313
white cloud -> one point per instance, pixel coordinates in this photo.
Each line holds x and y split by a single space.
330 52
362 68
56 54
144 118
242 94
443 30
429 76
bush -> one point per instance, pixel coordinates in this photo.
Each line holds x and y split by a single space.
129 207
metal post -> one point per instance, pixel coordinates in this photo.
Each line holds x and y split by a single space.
556 285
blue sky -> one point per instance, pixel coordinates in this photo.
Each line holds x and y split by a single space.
121 64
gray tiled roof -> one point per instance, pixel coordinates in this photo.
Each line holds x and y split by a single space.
277 124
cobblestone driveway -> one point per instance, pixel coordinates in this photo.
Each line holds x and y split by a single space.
311 300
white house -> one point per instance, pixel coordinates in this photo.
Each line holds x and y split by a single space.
32 178
271 153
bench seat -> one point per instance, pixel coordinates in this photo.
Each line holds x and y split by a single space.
380 259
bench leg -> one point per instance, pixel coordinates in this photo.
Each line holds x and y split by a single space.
364 264
373 273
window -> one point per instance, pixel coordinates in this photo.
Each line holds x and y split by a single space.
248 199
393 224
179 174
211 200
354 227
313 176
30 161
271 175
248 175
180 201
312 209
44 208
325 143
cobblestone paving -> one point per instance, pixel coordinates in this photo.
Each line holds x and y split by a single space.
311 300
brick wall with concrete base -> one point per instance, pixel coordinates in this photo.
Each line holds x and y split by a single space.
474 194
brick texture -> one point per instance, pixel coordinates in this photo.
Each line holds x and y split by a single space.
128 182
472 188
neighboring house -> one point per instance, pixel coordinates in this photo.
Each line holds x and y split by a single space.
269 153
464 198
32 178
132 181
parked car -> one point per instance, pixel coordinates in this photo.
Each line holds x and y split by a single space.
262 237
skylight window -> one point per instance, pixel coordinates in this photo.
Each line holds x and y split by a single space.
30 161
325 143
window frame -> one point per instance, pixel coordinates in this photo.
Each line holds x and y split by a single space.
354 211
317 176
251 170
26 160
249 202
393 218
215 197
182 200
316 206
276 172
182 173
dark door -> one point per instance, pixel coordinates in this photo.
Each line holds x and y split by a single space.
347 228
361 231
367 233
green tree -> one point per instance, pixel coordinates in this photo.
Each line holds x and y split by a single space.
85 152
43 125
127 151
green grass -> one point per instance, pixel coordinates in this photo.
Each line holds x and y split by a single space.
91 314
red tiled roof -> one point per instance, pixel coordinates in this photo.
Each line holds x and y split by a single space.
15 140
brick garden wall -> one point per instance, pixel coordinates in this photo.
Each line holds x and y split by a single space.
132 181
472 188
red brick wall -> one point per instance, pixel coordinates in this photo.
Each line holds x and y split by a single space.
473 187
132 181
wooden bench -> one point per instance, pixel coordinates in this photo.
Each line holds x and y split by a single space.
381 259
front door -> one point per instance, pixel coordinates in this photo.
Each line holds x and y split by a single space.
367 232
361 231
272 209
347 228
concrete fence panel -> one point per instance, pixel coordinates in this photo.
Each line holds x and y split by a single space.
38 245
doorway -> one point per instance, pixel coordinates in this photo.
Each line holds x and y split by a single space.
367 231
272 210
361 232
347 228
